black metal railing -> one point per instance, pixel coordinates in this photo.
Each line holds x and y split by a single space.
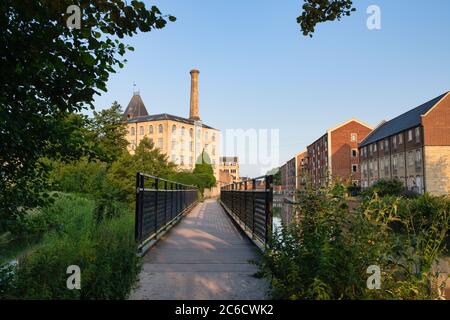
250 203
159 202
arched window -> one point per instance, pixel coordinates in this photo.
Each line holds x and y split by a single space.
160 128
213 137
174 128
133 131
150 129
183 129
206 135
191 132
141 130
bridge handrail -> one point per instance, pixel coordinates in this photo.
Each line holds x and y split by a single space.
158 209
166 180
251 209
268 179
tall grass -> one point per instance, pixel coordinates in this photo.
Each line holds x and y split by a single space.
105 251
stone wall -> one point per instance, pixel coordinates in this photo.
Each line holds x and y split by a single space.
437 169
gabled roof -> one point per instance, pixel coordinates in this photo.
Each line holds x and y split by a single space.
350 121
405 121
165 116
135 108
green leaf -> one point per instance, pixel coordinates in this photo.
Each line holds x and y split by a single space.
88 59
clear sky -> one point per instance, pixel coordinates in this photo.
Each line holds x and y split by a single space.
258 71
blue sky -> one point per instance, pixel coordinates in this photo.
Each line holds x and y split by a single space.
258 71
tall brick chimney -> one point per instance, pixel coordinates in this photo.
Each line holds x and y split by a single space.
193 112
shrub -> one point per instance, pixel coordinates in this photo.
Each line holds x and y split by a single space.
385 187
326 249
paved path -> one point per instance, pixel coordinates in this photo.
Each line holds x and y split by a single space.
203 257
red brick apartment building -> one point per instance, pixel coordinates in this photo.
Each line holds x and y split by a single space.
335 154
288 178
301 169
413 147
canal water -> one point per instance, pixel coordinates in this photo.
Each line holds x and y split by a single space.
283 211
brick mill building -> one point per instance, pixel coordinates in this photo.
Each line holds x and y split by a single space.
229 170
181 139
335 154
413 147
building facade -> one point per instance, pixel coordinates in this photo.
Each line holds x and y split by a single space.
230 166
181 139
301 170
288 177
413 147
335 154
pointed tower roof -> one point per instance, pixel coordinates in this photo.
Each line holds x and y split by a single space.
135 108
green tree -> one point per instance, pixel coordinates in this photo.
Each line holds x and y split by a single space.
204 171
146 159
318 11
48 72
109 130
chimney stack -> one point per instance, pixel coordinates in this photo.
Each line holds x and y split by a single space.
193 113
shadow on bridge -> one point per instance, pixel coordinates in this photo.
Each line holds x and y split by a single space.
205 256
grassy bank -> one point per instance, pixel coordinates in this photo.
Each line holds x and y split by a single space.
69 233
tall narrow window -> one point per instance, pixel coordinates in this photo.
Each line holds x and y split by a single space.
354 137
174 128
132 131
410 135
141 130
160 128
174 145
417 135
150 129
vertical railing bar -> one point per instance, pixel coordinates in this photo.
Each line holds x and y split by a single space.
253 209
138 213
156 204
245 204
165 204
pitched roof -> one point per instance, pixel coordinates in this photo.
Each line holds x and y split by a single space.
135 108
165 116
405 121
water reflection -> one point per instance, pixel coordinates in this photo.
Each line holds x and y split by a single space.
283 211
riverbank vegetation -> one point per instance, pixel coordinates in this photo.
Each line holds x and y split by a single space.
88 217
327 248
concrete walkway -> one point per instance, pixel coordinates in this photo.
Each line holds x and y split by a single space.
203 257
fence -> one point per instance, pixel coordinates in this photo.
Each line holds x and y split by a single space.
159 203
250 204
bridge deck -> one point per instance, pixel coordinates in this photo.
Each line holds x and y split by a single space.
203 257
